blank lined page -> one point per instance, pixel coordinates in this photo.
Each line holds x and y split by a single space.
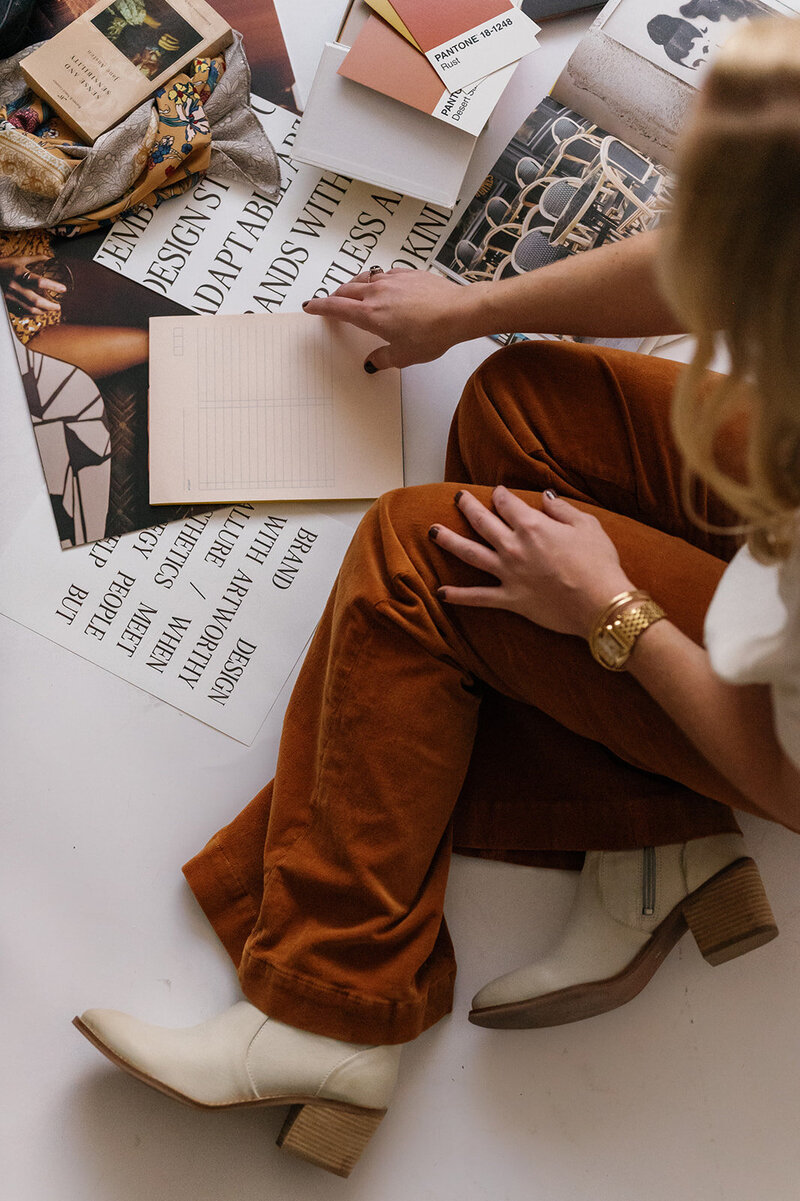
274 396
268 408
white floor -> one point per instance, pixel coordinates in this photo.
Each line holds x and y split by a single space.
692 1091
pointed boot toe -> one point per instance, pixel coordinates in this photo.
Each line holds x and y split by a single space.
204 1065
338 1092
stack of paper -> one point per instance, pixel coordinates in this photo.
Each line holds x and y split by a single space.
450 61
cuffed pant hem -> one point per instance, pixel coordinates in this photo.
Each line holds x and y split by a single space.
339 1013
318 1008
223 898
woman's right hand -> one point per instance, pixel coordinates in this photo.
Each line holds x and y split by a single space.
419 315
23 289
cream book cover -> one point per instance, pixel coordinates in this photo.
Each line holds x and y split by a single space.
108 60
269 407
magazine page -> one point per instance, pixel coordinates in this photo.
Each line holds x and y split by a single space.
86 382
591 163
640 63
561 186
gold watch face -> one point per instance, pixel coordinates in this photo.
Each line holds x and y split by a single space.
613 651
613 642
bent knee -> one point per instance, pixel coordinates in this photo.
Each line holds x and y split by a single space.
415 507
403 517
529 361
521 377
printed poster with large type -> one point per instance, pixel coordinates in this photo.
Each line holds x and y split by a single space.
225 248
210 614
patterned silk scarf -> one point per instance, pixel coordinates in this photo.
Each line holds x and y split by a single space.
40 152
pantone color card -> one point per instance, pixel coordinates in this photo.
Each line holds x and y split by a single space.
384 9
383 60
464 40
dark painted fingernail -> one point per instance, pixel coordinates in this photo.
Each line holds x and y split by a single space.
433 533
441 593
370 368
305 304
457 497
549 492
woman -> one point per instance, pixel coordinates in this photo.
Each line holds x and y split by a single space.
327 890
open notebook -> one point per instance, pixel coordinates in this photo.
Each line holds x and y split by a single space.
269 407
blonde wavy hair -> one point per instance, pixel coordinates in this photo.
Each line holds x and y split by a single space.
730 267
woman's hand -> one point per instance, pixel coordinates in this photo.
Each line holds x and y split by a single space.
419 315
23 289
557 567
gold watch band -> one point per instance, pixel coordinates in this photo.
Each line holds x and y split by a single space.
620 624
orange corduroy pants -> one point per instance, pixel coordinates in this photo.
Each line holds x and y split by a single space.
415 724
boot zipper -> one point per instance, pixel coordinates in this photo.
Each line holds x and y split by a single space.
648 881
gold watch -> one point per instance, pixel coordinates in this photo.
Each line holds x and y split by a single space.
616 629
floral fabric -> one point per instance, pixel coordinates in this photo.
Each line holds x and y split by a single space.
200 121
31 141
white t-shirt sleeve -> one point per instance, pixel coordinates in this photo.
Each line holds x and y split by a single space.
752 633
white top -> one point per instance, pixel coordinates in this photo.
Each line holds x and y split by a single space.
752 632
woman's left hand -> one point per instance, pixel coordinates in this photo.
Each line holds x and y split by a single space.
557 566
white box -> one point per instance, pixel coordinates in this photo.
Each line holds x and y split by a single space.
361 134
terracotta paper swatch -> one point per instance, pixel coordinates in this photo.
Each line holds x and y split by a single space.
465 40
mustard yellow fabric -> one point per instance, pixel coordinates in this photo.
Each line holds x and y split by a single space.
40 151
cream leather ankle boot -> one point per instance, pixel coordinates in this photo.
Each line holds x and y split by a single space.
630 909
338 1091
